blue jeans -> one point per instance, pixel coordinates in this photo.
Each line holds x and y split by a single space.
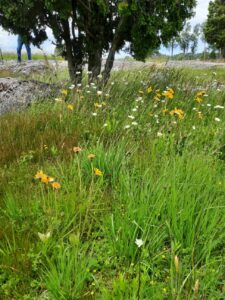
19 48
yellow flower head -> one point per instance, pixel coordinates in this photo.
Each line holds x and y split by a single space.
46 179
156 98
56 185
64 92
70 107
165 111
97 105
178 112
91 156
198 99
77 149
149 89
200 94
39 174
168 94
98 172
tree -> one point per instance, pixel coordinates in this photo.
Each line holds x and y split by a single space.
214 28
184 38
172 45
195 37
87 29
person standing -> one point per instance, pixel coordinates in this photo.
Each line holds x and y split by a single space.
20 42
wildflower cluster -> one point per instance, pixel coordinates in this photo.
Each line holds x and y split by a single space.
90 156
40 175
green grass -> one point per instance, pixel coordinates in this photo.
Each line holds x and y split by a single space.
35 56
163 182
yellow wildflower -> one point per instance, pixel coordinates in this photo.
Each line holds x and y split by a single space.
70 107
77 149
39 174
46 179
177 112
97 105
91 156
200 94
98 172
168 94
149 89
64 92
56 185
157 99
165 111
198 99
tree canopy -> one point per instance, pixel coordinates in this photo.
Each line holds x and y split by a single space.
215 26
86 29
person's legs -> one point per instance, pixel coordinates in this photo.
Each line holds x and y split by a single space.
19 48
28 51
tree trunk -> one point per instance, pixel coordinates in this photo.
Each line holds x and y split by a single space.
112 51
94 64
223 52
74 54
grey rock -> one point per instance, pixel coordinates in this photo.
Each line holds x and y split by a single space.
25 68
16 95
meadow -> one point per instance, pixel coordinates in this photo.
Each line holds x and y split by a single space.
116 192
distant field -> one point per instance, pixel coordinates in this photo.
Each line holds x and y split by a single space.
116 192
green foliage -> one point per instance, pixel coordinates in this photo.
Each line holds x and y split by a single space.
163 182
97 26
214 28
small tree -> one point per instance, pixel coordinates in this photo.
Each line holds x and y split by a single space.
172 45
184 38
194 38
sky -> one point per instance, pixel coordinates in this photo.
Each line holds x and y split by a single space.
8 42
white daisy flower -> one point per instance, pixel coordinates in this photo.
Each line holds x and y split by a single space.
139 242
94 114
127 126
217 120
219 106
134 123
44 236
159 134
